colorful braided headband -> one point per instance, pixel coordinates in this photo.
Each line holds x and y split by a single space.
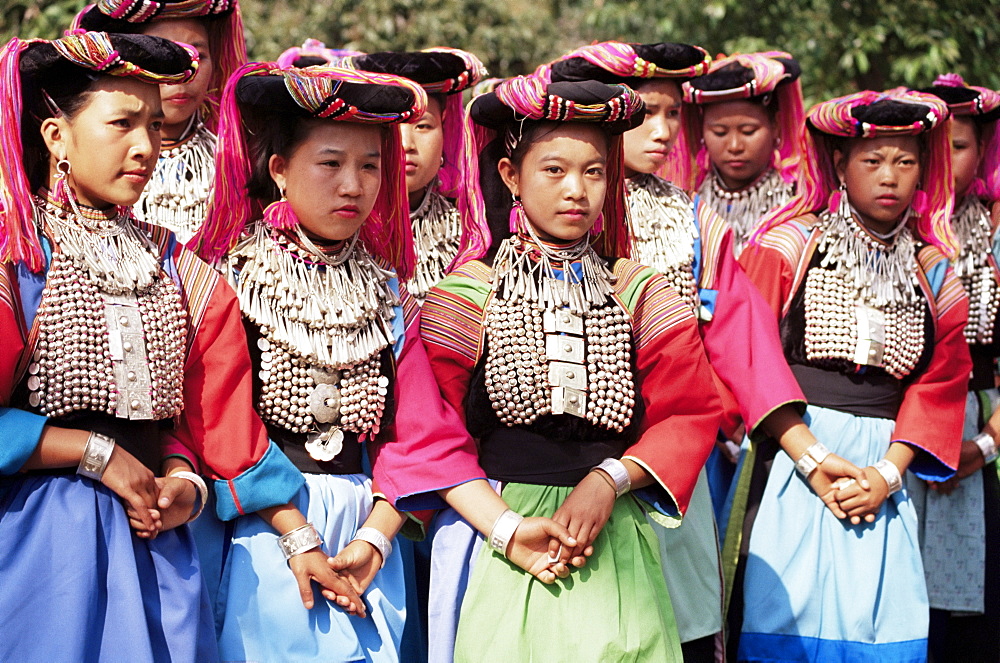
531 98
474 72
94 50
964 99
625 61
320 91
312 49
141 11
873 114
742 76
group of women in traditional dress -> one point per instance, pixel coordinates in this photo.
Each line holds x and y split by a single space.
367 357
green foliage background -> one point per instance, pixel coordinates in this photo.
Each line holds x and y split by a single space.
843 45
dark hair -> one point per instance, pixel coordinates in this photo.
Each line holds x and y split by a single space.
497 198
62 89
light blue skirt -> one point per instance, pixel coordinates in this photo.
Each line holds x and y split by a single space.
76 584
820 589
264 619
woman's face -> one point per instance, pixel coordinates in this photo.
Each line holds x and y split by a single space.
332 177
965 154
881 176
423 145
740 138
648 145
112 142
561 180
182 101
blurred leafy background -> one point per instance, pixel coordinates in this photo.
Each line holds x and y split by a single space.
843 45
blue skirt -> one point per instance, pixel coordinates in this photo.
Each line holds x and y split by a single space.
820 589
263 617
78 585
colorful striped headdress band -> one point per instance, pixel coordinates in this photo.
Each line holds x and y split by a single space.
874 114
618 62
500 115
312 53
37 68
225 32
742 76
868 115
267 93
94 51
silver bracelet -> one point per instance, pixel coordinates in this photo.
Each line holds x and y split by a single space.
377 539
618 473
987 446
503 529
891 474
200 485
299 540
811 459
96 456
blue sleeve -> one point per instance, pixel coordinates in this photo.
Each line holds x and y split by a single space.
20 432
272 481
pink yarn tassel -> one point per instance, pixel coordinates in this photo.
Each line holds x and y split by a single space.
833 202
920 204
598 226
516 217
280 215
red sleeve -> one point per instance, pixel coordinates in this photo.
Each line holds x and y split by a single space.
932 414
429 448
682 406
771 273
12 328
743 343
218 424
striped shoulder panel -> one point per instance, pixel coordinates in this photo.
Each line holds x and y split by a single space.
160 235
7 285
789 239
452 314
198 282
945 285
653 303
713 229
411 309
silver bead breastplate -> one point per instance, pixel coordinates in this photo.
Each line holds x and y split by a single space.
664 232
974 232
861 303
121 354
744 209
324 324
176 196
437 233
557 346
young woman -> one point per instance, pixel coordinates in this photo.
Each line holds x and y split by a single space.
435 151
960 518
177 194
337 362
120 348
743 125
691 245
871 317
578 374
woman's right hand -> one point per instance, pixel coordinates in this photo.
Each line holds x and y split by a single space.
536 543
136 485
826 481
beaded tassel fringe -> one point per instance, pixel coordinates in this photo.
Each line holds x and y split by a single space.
437 233
974 233
744 209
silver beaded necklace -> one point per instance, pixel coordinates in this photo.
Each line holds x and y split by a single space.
744 208
437 233
974 232
176 196
861 303
557 345
664 231
112 328
324 321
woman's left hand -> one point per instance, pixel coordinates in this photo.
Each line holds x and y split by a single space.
358 562
859 503
585 512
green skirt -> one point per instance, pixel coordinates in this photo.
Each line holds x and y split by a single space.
616 608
